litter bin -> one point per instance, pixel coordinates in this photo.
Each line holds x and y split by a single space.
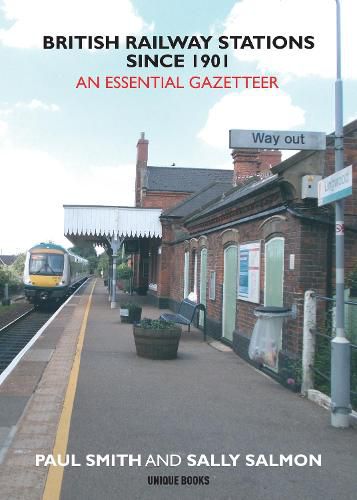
265 339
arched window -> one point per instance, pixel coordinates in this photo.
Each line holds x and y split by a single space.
274 272
186 275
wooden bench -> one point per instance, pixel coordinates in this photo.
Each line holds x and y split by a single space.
186 314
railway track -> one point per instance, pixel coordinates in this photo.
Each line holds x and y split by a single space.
15 336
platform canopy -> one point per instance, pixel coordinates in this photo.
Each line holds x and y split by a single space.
103 224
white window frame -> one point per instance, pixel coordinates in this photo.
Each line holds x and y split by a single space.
186 274
195 276
265 264
212 285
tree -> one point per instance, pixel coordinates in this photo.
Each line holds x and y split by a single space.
84 251
87 252
9 276
103 264
19 264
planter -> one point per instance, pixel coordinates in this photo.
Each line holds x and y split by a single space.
130 313
157 343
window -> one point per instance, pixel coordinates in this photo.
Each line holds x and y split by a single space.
212 285
194 288
274 272
186 275
46 264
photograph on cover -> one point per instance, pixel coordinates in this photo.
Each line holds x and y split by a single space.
178 249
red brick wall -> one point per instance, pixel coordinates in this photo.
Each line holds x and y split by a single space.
311 241
248 163
142 152
162 199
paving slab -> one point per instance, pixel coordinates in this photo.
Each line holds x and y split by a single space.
11 408
31 402
207 401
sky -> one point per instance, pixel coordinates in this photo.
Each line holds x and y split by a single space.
62 145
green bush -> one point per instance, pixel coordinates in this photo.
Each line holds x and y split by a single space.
10 276
351 280
131 306
124 272
134 313
157 324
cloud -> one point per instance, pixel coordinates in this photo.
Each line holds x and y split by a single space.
3 129
31 20
250 109
43 184
36 104
292 17
33 105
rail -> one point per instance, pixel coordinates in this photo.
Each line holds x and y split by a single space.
18 336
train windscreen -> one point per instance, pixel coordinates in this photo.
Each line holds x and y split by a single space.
49 264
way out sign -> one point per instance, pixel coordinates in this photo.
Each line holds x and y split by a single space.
276 139
335 186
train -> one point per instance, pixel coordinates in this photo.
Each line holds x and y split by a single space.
51 273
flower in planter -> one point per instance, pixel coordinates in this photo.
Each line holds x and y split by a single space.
157 324
157 339
130 313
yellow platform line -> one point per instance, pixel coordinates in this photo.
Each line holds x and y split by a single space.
53 485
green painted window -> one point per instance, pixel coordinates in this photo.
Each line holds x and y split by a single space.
230 291
274 272
203 281
186 275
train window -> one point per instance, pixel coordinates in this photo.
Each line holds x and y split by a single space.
37 262
46 264
55 263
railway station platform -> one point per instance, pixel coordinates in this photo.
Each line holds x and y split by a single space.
81 391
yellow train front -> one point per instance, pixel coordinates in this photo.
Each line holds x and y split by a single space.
51 273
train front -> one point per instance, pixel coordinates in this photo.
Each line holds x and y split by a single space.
45 273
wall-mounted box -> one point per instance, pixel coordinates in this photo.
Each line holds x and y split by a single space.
309 185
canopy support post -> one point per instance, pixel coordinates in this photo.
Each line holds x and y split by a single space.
115 244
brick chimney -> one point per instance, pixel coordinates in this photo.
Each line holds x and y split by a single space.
253 162
142 151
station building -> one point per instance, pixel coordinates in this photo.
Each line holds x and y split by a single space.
254 235
230 239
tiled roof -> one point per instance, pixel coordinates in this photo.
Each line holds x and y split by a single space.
232 196
348 130
198 200
181 179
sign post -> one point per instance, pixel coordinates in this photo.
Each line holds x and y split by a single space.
340 346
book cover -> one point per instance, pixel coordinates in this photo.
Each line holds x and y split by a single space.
175 166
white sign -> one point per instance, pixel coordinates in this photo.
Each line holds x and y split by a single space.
249 272
335 186
276 139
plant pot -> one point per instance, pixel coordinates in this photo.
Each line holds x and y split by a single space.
135 315
131 315
157 343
